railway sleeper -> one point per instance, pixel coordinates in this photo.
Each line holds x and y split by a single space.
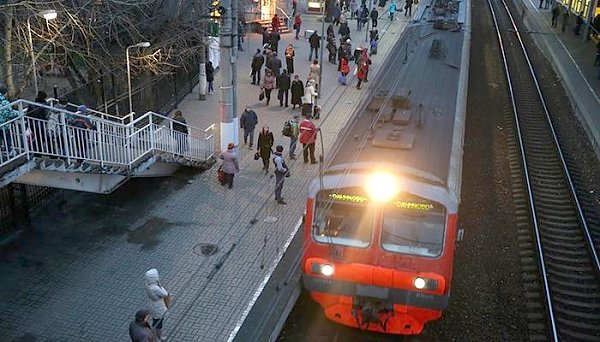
578 336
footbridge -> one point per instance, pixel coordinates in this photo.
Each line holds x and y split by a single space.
95 152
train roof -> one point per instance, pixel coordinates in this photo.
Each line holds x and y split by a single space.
420 104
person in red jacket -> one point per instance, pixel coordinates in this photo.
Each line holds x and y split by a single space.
275 23
308 137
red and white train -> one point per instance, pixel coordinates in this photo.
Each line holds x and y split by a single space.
381 221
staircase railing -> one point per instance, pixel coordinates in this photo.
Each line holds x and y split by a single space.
97 139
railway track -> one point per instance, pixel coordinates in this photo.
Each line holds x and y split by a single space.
562 244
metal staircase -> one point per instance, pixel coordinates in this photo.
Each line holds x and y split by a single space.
100 157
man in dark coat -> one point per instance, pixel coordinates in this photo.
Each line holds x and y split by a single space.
139 329
273 63
297 92
248 122
374 16
315 44
257 62
283 84
275 38
266 37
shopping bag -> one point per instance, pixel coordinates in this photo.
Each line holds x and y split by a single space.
256 156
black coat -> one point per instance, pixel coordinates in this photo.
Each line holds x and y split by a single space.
283 82
315 41
258 61
210 73
179 124
265 143
297 92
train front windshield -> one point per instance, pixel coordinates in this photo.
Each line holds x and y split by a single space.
343 218
413 225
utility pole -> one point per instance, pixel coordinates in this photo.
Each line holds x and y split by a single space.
229 123
202 52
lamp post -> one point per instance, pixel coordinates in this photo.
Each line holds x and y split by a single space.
142 44
323 39
48 15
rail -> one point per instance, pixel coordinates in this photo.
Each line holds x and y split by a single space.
567 255
288 22
98 138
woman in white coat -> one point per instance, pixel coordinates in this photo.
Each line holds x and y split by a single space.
310 93
158 298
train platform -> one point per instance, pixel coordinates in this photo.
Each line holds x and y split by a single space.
79 274
573 61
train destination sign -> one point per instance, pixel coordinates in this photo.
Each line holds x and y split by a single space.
411 205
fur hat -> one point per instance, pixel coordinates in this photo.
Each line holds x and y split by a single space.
230 146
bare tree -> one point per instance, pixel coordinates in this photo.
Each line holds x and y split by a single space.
89 37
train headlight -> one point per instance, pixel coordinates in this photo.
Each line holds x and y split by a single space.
424 283
382 186
323 269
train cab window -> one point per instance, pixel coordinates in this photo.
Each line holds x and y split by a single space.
413 225
343 219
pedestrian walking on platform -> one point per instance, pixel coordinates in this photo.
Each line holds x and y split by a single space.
248 122
315 43
265 144
578 23
344 31
139 329
310 94
268 84
281 171
290 53
353 9
308 138
266 37
408 8
297 25
344 70
565 20
283 86
331 48
555 14
275 38
297 92
159 301
374 17
547 4
291 129
257 62
275 23
541 3
231 164
392 10
362 70
241 34
313 72
210 77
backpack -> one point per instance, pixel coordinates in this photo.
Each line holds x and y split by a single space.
287 129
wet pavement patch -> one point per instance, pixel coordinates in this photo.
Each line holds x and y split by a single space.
147 234
205 249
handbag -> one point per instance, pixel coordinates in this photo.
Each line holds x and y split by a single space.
167 301
256 156
261 96
221 175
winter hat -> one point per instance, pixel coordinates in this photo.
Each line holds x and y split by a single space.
279 148
141 314
82 109
230 146
152 275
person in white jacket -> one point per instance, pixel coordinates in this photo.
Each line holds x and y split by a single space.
158 298
309 92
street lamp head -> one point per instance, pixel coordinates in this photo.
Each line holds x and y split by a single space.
143 44
49 14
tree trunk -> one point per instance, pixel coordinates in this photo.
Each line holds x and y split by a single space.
8 64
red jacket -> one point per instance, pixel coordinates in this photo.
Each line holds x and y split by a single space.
344 65
308 132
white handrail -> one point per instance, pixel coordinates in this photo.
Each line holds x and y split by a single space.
108 143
